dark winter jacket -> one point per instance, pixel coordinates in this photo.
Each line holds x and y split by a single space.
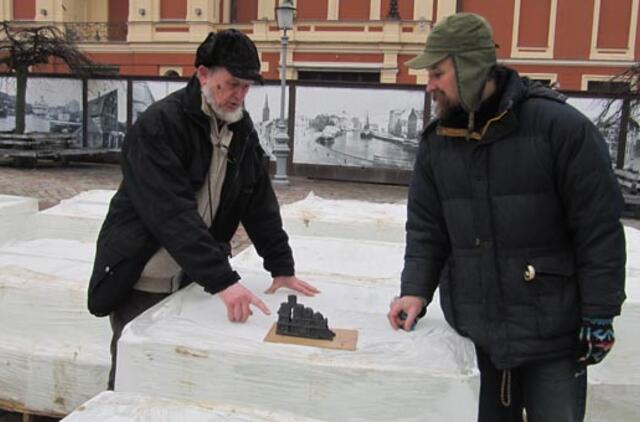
165 160
519 225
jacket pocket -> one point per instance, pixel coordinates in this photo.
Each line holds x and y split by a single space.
116 269
556 289
102 293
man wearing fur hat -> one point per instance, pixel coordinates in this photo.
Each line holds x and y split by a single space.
513 212
193 169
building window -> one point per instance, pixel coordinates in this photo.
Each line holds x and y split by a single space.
173 9
312 10
244 11
545 82
319 76
608 87
170 72
354 10
24 10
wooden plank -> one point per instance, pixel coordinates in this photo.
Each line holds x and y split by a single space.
344 339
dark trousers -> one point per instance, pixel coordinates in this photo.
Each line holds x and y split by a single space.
549 391
137 303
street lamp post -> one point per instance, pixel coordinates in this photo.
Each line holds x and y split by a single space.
284 15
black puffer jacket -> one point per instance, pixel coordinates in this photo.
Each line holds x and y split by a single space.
165 160
535 190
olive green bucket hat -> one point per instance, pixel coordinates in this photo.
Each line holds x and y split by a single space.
468 39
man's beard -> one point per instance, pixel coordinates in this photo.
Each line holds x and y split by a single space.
444 106
227 116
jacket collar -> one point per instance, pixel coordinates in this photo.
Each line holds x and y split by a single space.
496 117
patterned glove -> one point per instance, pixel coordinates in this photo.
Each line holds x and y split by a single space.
596 339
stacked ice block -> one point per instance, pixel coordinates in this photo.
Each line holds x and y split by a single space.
53 354
185 348
189 361
121 407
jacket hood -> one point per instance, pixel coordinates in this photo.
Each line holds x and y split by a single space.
511 90
518 89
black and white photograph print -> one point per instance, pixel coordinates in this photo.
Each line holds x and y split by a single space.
107 113
358 127
632 155
7 103
53 105
146 93
263 104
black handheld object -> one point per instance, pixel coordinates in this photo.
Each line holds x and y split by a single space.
403 317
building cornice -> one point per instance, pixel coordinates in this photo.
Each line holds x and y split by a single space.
568 63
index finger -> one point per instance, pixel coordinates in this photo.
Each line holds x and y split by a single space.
260 305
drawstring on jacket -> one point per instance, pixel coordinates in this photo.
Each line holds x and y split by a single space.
505 388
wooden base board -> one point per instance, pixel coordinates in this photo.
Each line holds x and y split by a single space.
344 339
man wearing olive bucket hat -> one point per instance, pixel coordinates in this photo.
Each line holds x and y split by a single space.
513 212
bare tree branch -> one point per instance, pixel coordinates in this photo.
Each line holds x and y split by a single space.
24 46
28 46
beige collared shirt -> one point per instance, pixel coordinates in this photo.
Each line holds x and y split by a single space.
162 273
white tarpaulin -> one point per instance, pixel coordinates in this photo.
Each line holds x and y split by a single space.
77 218
14 210
360 276
121 407
614 384
315 216
54 355
185 348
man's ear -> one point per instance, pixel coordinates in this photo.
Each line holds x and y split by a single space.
202 72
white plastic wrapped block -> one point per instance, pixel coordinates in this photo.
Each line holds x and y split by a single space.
315 216
122 407
14 210
78 218
12 205
185 348
54 355
348 260
87 204
614 384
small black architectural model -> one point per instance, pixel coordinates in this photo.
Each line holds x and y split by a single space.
296 320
